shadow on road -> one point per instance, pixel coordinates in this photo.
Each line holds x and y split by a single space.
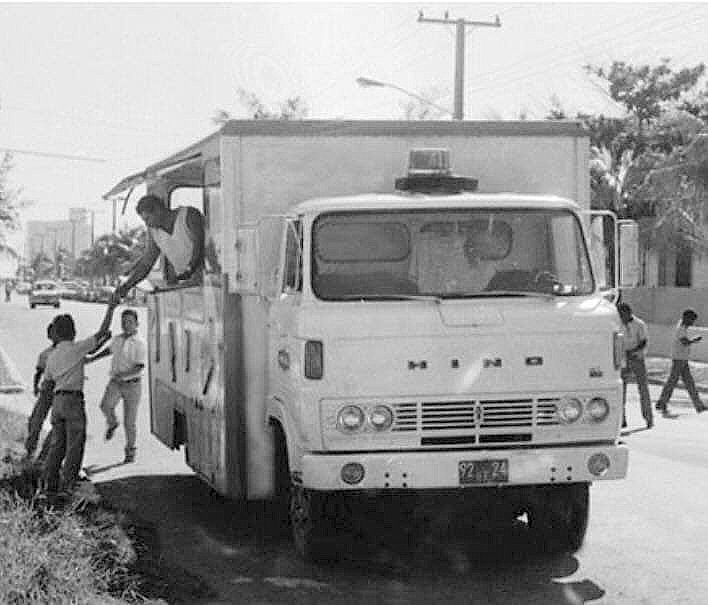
244 553
95 469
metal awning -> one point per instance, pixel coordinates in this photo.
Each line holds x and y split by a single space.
183 167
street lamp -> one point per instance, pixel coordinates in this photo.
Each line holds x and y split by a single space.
370 83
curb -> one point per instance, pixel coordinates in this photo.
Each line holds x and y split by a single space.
10 377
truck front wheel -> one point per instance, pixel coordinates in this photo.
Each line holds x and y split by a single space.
308 521
559 516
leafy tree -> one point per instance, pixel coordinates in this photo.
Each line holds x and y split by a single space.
62 262
42 265
112 254
645 90
10 201
625 150
423 107
293 108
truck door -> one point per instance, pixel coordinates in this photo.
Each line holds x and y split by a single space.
284 351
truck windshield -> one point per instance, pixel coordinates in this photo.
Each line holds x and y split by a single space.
449 254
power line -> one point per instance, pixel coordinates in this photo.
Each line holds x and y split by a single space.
573 56
47 154
540 70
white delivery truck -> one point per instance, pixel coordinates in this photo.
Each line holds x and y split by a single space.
391 308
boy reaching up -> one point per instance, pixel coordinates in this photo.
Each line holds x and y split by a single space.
65 366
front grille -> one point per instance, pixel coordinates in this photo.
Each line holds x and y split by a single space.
495 420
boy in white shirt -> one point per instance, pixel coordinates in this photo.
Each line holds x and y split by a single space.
125 383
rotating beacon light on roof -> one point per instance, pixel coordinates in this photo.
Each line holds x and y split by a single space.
429 172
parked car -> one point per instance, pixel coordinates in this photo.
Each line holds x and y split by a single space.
23 287
44 292
86 292
69 290
104 293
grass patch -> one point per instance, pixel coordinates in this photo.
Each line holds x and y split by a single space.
79 552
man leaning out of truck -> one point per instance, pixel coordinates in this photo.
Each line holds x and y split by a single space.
178 234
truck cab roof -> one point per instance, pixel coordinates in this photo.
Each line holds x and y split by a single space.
407 201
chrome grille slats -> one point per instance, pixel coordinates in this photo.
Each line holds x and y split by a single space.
405 416
547 411
506 412
442 415
468 416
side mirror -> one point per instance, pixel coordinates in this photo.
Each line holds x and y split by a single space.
601 235
628 253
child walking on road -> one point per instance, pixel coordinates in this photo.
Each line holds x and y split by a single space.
680 350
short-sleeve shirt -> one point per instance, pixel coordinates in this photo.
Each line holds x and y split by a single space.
42 359
634 332
127 353
678 349
65 364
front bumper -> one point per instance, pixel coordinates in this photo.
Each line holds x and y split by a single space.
439 470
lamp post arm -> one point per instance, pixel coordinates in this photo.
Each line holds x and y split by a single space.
420 98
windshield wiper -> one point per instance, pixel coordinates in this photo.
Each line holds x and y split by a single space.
499 293
364 297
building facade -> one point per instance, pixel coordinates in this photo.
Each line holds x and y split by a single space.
48 237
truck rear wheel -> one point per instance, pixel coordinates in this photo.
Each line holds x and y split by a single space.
308 521
559 516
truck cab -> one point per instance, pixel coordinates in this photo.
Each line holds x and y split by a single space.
372 323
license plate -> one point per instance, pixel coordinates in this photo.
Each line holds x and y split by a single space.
475 472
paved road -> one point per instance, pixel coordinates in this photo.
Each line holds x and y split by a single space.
646 543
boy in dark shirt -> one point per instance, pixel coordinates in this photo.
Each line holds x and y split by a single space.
44 394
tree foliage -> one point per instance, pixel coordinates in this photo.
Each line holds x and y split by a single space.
112 254
10 202
292 108
644 89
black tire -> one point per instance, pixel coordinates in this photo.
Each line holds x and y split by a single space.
56 305
32 305
281 479
559 516
308 523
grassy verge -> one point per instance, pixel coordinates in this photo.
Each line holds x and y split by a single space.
78 553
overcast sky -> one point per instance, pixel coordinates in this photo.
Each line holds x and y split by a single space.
132 83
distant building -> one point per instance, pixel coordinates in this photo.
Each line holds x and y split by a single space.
73 235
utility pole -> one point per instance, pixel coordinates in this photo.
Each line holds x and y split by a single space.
460 25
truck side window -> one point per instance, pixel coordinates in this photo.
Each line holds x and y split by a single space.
293 257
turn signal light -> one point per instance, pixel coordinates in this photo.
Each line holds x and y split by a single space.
314 361
617 349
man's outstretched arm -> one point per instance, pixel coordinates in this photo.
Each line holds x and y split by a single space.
141 269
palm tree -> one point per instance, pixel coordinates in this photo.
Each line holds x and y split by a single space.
609 175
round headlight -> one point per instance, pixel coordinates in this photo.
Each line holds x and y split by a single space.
381 418
350 419
598 409
569 410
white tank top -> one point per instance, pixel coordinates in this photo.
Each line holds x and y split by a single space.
178 245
